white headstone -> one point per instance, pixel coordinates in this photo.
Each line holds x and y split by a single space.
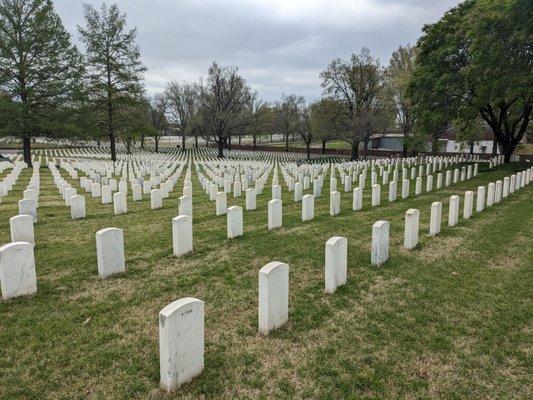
137 192
182 235
156 199
275 215
185 206
17 270
181 342
119 203
453 214
28 207
234 222
490 194
405 189
21 227
110 251
334 203
412 220
469 205
480 200
435 218
357 202
336 263
68 194
220 203
77 207
376 194
95 190
251 199
107 195
298 191
276 192
273 296
308 207
380 242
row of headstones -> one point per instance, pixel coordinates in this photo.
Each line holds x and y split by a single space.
275 205
17 280
486 196
30 201
234 214
6 184
119 199
182 226
181 323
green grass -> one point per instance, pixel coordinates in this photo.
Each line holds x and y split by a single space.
448 320
333 144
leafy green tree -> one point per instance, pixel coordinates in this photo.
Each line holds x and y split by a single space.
477 61
397 77
115 71
132 122
357 84
40 71
328 120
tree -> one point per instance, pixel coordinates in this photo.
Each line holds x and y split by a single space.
40 71
182 99
356 84
115 71
259 116
477 61
397 77
307 130
328 120
287 116
222 105
157 109
133 121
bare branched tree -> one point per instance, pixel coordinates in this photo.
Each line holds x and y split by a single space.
182 99
356 84
224 99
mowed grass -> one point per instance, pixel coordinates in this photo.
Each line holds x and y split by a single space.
448 320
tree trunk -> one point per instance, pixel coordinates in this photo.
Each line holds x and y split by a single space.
26 146
472 148
287 142
494 147
156 144
323 147
183 141
254 141
355 151
220 144
240 136
308 150
404 145
112 148
196 141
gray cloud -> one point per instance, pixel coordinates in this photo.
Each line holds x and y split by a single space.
280 46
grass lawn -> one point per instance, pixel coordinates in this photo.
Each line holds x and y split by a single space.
334 144
448 320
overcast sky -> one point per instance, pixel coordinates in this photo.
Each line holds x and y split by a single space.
280 46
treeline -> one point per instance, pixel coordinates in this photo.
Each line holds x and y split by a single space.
471 71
